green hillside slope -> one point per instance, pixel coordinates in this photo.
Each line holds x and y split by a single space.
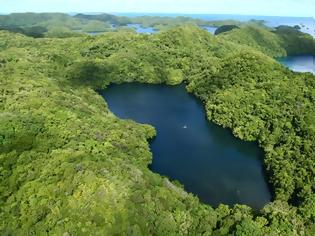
68 166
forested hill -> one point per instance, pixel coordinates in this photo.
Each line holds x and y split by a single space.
60 25
278 42
282 41
68 166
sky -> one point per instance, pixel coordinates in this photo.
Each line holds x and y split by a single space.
242 7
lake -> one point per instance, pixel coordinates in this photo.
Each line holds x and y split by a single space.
299 63
207 159
142 30
150 30
210 29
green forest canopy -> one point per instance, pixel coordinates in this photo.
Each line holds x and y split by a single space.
63 25
70 167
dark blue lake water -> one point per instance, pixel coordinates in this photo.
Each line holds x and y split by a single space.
299 63
207 159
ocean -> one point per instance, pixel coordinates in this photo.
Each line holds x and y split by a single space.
307 24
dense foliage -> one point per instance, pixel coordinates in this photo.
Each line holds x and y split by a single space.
68 166
49 24
259 38
294 41
157 22
282 41
63 25
225 28
32 31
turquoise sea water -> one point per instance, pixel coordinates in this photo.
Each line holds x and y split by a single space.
307 24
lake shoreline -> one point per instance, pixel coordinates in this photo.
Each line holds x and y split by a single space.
153 148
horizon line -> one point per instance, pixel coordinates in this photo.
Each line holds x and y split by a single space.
155 13
228 14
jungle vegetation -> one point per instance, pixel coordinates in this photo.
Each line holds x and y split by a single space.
60 25
68 166
225 28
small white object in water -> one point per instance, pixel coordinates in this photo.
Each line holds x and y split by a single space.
185 127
